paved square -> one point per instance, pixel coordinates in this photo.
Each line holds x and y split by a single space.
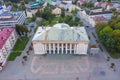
59 67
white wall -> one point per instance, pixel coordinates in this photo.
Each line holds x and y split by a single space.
82 48
38 48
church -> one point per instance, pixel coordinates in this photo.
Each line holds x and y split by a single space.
60 39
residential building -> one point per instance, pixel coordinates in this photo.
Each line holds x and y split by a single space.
87 14
68 6
8 38
57 11
60 39
10 18
67 1
81 2
94 20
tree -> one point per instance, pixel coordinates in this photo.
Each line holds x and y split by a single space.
62 13
109 34
33 18
100 25
112 23
38 13
74 1
74 11
18 29
113 9
8 3
88 4
68 18
22 30
116 33
35 29
117 26
47 14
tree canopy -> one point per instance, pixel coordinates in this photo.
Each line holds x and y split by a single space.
109 34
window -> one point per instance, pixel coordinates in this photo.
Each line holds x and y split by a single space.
47 46
68 46
64 45
73 51
60 45
55 45
72 46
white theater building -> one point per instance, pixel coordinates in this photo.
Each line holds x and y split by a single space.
60 39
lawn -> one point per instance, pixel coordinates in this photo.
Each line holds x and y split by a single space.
19 46
115 55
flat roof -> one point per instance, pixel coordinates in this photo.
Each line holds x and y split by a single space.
60 32
11 15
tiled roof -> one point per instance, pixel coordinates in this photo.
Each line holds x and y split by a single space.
99 18
4 35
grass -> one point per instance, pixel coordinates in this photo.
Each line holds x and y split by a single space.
114 55
19 46
54 21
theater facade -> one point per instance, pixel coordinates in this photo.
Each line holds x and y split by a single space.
60 39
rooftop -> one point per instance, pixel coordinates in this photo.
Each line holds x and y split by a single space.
4 35
10 15
89 12
60 32
99 18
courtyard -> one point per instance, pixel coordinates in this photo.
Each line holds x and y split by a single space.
59 67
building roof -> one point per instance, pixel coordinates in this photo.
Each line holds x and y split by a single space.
60 32
99 18
4 35
52 7
10 16
96 13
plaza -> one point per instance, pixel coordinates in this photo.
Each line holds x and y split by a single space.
59 66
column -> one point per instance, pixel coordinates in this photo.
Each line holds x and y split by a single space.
75 48
70 47
66 47
49 48
58 48
53 48
62 48
45 48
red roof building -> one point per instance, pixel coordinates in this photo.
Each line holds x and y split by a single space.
8 38
4 35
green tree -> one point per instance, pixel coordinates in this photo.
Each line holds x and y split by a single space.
88 4
100 25
74 11
62 13
33 18
117 26
18 29
68 18
38 13
22 30
47 14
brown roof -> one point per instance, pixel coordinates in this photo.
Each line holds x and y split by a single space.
99 18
